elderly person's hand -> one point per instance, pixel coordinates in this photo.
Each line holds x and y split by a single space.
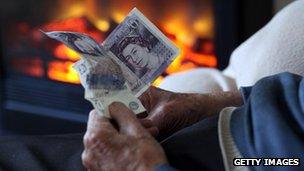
170 112
127 145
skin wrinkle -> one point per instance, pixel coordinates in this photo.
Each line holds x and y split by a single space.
185 109
132 142
129 146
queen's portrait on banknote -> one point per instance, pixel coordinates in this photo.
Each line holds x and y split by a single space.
136 52
140 48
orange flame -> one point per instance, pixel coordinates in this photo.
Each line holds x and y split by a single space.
62 71
64 52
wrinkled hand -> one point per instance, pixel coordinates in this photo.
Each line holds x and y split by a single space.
169 111
124 146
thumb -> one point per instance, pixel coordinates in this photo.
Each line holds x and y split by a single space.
126 120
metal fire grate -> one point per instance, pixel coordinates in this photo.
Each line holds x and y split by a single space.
43 97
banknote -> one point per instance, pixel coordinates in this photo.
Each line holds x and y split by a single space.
102 98
81 43
83 68
141 49
100 75
104 83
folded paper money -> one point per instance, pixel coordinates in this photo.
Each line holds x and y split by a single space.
132 57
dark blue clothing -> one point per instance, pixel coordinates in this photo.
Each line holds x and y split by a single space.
195 147
165 167
271 122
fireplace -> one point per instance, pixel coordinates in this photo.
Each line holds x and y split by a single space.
39 86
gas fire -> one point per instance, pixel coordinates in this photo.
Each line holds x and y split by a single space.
192 34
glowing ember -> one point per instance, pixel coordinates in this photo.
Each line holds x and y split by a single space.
102 25
63 52
81 24
62 71
202 59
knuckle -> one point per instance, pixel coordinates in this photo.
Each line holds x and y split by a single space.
92 113
84 155
85 138
86 141
90 139
87 160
